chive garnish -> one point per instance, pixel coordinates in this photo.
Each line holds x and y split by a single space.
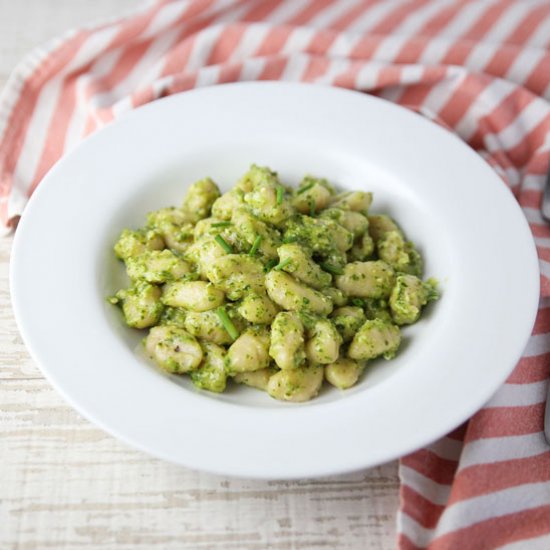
221 241
305 188
270 265
334 269
221 224
255 245
312 207
280 191
282 264
227 323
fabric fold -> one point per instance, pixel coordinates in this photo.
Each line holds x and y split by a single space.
479 68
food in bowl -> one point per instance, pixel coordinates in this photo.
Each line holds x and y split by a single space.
271 286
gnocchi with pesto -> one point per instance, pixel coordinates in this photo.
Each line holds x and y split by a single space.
272 286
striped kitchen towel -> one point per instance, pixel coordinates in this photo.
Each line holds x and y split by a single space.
479 67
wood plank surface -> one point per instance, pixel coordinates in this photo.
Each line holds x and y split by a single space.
64 484
69 485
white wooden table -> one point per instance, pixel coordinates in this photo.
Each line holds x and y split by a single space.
66 484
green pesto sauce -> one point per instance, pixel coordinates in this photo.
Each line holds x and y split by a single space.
344 282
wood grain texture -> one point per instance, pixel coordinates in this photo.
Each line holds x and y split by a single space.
68 485
65 484
15 362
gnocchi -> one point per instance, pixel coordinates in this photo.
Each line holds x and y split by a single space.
300 384
287 340
343 373
324 345
269 286
192 295
249 352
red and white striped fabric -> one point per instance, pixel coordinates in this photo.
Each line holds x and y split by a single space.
479 67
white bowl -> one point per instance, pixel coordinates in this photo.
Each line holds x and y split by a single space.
467 224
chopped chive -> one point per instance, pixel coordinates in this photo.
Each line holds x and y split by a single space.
280 191
221 241
270 265
290 240
312 207
334 269
227 323
221 224
255 245
305 188
282 264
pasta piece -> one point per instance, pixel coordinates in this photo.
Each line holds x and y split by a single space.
256 176
141 304
211 374
258 379
347 321
250 227
343 373
174 225
374 338
310 181
355 222
133 243
193 295
298 262
208 226
262 199
157 219
203 252
336 295
257 309
400 254
180 238
286 292
358 201
312 195
363 248
200 198
155 266
324 345
173 316
207 326
173 349
297 385
236 275
249 352
287 340
408 297
323 236
225 205
380 224
367 279
341 237
377 309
